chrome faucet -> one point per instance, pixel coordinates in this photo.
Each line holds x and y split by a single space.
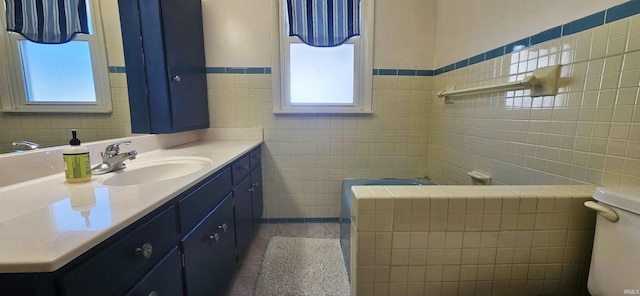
29 145
112 159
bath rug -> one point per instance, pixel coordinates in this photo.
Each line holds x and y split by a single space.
302 266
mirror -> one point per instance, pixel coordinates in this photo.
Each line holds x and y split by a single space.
53 129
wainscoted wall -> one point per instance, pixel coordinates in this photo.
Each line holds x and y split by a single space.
306 157
53 129
588 133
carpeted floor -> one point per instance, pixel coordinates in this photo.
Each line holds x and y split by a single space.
302 266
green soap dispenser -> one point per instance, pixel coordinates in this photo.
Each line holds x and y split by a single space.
77 164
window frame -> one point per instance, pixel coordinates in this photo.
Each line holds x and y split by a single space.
363 68
13 97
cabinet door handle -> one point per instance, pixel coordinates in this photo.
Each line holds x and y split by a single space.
145 251
223 227
176 78
215 237
153 293
250 189
255 184
244 167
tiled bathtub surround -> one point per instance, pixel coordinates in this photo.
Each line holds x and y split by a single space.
470 240
588 133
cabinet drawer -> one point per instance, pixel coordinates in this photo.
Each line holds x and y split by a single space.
199 203
256 158
125 260
163 279
241 168
209 252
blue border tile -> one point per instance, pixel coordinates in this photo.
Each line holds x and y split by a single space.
494 53
585 23
623 10
462 64
255 70
299 220
231 70
117 69
314 220
424 73
476 59
215 70
448 68
238 70
391 72
515 46
404 72
547 35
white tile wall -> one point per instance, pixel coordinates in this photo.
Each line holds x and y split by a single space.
588 133
306 157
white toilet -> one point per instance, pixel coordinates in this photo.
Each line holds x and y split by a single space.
615 260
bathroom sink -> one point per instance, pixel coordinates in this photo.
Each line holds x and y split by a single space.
158 169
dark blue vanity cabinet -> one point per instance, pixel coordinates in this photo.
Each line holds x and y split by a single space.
188 246
209 252
208 243
248 196
165 63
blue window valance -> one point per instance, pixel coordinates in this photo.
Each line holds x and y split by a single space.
324 23
47 21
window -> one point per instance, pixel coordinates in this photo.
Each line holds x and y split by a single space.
324 79
69 77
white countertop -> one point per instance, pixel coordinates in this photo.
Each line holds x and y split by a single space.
45 223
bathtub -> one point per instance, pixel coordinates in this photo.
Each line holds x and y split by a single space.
345 211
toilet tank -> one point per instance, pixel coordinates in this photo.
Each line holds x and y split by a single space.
615 260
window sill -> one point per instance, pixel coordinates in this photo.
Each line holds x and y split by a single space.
51 109
284 112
